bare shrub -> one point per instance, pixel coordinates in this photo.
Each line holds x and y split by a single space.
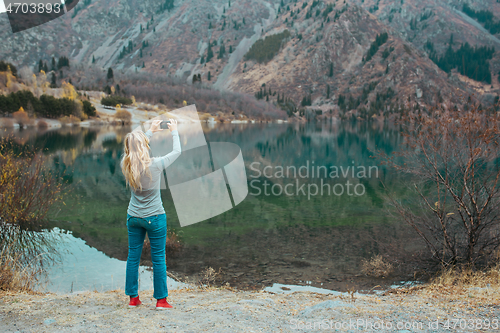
452 158
42 124
376 267
21 118
64 121
27 190
123 116
209 277
71 120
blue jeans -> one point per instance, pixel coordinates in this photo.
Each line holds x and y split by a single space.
156 227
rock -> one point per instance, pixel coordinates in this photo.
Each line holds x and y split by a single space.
419 93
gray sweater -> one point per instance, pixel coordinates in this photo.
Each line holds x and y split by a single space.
148 202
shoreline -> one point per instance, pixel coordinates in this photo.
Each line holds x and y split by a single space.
416 309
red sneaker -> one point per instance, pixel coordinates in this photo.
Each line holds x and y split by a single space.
134 302
162 304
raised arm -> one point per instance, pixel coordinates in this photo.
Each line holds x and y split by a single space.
164 161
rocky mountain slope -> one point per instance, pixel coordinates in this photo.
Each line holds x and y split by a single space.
325 57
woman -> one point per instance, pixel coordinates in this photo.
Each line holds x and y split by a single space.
145 211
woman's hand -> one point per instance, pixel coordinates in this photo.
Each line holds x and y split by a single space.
172 125
155 126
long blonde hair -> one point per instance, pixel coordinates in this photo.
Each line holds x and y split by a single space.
136 158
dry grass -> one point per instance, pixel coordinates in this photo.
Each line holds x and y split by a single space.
472 289
209 277
71 120
468 278
204 116
13 276
377 267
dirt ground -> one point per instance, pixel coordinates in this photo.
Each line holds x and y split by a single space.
225 310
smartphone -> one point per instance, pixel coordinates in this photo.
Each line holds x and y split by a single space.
164 124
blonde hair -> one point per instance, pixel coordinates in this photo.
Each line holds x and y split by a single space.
136 158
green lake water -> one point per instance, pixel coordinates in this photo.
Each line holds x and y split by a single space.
304 237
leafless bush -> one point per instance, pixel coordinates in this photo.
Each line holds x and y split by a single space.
209 277
377 267
452 159
22 118
42 124
27 190
124 116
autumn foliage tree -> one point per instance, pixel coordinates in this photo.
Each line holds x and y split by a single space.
123 115
452 158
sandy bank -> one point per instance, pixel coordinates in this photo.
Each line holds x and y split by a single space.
223 310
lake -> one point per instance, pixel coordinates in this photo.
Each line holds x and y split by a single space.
314 210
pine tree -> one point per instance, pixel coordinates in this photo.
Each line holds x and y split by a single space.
209 76
53 64
53 82
40 65
110 74
222 51
93 59
210 53
331 70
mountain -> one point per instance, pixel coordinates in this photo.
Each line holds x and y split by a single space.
372 56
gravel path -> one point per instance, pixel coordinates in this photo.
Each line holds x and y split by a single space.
223 310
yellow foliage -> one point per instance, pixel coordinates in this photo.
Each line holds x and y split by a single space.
184 103
69 91
9 77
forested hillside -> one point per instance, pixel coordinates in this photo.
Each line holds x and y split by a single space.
361 57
